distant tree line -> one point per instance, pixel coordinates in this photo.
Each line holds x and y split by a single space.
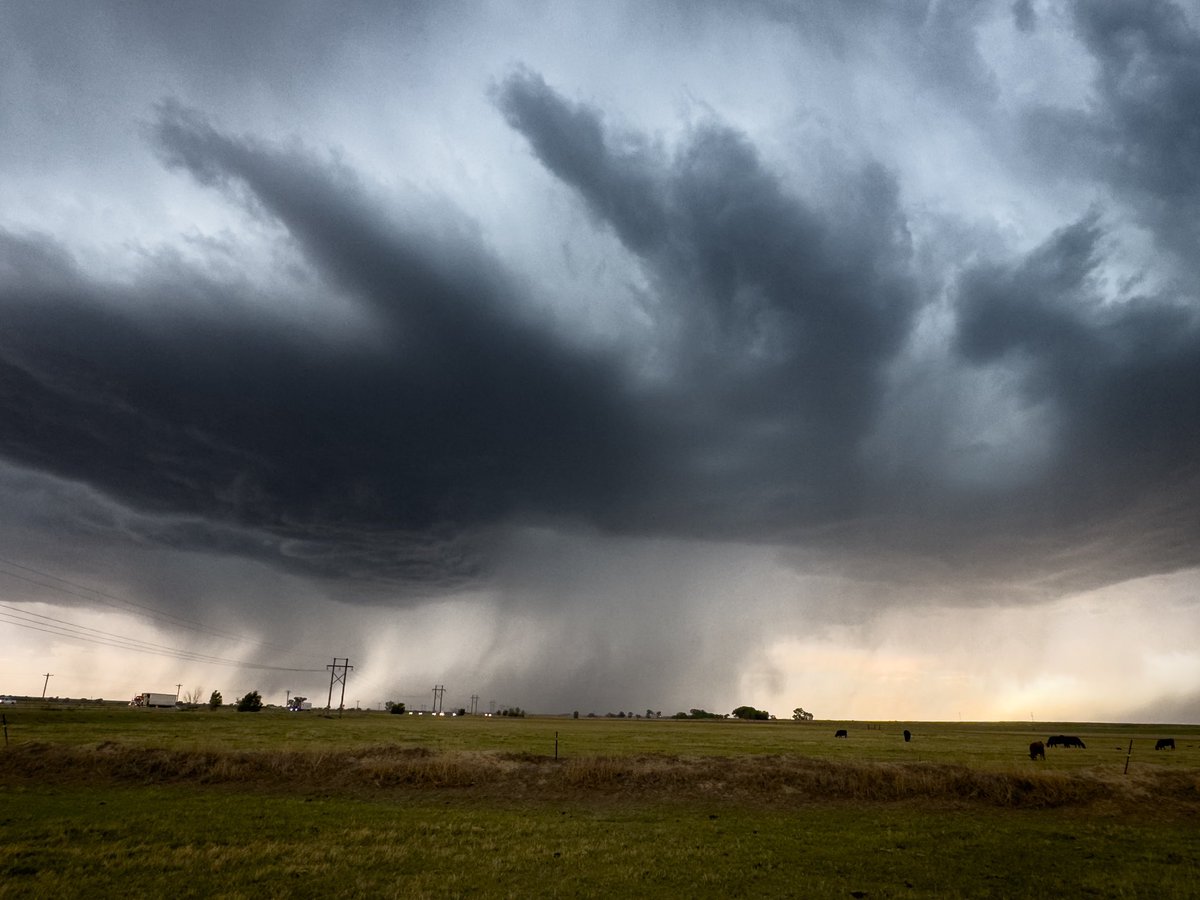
650 714
697 714
742 712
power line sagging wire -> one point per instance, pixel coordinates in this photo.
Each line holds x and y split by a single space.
61 627
24 618
122 604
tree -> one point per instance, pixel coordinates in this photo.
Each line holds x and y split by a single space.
192 697
252 702
801 715
215 700
395 708
749 712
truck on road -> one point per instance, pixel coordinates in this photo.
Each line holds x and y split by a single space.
149 698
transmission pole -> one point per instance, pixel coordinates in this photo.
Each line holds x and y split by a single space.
474 704
438 691
337 673
45 684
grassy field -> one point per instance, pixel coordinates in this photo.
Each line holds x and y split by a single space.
111 801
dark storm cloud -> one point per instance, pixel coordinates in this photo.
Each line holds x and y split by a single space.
459 412
779 316
778 321
1120 373
1024 16
1123 381
1139 135
456 417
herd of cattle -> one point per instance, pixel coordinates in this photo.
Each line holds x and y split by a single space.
1037 750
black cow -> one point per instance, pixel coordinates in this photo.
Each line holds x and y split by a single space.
1037 750
907 735
841 732
1165 744
1065 740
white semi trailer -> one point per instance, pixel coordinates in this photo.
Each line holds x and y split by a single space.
152 699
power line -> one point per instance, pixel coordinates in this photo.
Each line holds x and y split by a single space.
135 608
62 628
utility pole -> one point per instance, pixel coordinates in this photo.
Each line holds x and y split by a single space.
438 690
474 704
337 672
45 683
178 688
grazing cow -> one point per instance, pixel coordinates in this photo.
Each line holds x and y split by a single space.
1165 744
907 735
841 732
1037 750
1065 740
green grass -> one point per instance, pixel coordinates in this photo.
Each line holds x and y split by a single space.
981 745
99 802
150 841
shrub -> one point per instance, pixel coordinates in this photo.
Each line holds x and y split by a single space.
252 702
215 700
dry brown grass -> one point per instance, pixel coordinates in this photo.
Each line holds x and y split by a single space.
775 779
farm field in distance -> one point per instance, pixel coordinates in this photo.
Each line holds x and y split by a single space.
371 804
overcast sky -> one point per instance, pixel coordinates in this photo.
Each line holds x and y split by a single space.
605 356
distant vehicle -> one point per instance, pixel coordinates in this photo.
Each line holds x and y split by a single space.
297 704
152 699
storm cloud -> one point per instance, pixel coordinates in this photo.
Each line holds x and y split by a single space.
876 326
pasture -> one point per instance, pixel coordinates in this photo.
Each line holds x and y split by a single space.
140 802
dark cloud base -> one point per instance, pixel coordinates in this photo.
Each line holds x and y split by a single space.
780 322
